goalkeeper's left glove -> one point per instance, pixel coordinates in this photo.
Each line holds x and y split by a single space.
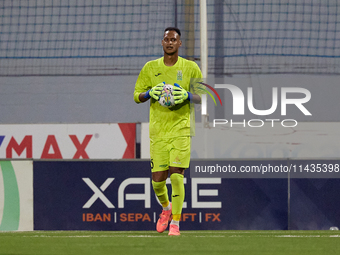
155 92
180 94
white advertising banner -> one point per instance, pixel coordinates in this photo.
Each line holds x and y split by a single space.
68 141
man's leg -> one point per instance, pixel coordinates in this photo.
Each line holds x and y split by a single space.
159 186
179 161
178 194
161 191
160 170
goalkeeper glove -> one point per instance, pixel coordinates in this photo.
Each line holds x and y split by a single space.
155 92
180 94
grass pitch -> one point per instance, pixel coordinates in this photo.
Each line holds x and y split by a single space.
151 242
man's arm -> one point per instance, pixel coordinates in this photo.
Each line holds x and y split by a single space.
141 86
154 92
142 97
196 99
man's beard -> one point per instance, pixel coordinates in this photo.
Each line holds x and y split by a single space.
171 53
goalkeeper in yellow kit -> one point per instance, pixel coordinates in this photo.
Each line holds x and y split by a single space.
169 127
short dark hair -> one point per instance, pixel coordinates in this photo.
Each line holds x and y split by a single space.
173 29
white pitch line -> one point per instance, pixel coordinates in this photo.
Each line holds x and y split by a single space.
209 236
307 236
148 236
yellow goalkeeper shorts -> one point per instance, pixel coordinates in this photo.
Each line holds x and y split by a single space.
169 152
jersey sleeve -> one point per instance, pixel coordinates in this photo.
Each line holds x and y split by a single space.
195 83
197 74
142 83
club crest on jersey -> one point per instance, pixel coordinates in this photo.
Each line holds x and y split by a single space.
179 75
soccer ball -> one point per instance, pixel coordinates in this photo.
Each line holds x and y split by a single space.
167 98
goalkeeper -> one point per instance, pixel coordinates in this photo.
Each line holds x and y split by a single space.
170 129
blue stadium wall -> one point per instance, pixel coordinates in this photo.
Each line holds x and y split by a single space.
117 195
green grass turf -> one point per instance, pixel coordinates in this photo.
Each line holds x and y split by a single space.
151 242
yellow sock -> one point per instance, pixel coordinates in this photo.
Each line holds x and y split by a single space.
166 204
176 217
161 192
178 194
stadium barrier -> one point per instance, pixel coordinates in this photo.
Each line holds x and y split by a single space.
117 195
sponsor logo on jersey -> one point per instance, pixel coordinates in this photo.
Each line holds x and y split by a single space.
179 75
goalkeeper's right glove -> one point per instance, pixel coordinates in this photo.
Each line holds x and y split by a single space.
180 94
155 92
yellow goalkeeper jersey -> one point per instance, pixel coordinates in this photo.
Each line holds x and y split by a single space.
174 121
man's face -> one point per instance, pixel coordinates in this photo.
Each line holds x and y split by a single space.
171 42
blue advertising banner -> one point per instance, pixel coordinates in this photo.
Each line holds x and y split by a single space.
314 204
118 195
